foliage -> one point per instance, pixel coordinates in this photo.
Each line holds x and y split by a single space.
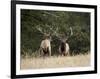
48 22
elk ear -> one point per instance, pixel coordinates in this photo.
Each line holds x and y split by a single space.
50 34
50 38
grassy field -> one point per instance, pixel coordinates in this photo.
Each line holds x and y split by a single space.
56 62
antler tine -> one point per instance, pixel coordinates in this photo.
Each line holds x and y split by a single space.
56 33
40 30
71 31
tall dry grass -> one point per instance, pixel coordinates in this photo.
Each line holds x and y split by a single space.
55 62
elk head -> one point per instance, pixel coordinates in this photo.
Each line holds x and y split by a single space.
62 36
44 32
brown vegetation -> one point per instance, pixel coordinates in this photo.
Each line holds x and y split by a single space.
55 62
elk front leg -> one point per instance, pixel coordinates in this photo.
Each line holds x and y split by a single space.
40 52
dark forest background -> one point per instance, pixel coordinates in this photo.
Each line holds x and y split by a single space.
31 38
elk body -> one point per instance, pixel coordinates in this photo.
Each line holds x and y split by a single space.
45 47
64 48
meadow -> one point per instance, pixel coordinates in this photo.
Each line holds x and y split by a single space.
55 61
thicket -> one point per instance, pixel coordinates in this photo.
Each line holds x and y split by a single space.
31 38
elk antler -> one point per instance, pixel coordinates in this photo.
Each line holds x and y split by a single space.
57 34
71 31
40 29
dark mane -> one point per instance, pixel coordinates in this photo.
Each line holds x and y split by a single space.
63 46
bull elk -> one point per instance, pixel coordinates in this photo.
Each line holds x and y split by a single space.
45 46
64 46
